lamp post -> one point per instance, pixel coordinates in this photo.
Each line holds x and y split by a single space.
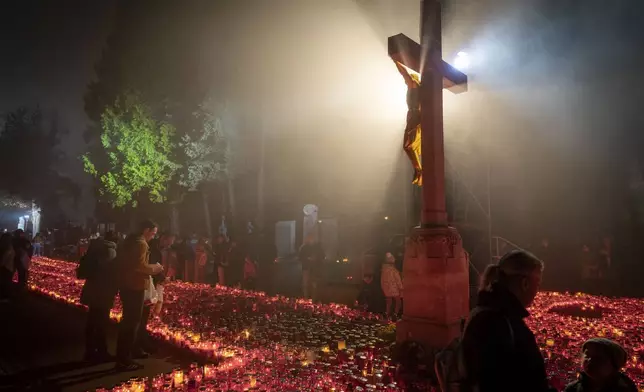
435 269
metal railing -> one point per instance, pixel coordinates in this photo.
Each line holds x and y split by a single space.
497 249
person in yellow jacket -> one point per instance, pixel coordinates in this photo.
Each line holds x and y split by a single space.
133 278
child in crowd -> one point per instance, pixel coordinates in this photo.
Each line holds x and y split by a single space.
602 360
392 285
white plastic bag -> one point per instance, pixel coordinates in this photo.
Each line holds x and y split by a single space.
151 294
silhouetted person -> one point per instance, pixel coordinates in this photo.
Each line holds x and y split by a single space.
605 264
203 254
220 250
184 255
370 297
589 269
234 271
22 259
545 253
266 256
501 353
134 279
98 268
249 273
311 256
38 245
7 266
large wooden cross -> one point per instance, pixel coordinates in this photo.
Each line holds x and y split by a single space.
422 66
407 52
435 268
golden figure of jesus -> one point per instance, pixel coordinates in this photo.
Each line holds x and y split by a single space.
411 141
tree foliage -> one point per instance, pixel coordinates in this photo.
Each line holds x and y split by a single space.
30 154
138 152
207 149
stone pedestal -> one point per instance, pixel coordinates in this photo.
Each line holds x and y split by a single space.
436 287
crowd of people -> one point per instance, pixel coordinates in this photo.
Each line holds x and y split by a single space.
381 290
381 287
498 351
16 251
137 267
582 266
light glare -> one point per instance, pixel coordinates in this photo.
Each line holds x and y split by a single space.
462 61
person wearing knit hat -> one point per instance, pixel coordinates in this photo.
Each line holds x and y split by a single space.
601 362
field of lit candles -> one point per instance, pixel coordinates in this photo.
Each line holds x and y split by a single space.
249 341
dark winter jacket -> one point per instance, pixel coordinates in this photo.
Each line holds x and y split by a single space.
99 268
235 259
621 383
371 296
501 353
21 246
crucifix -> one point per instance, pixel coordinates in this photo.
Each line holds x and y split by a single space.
435 269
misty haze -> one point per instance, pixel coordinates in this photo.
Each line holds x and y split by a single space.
236 184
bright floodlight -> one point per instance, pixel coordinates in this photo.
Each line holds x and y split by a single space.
462 61
26 216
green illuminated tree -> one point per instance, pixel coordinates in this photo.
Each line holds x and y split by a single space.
138 154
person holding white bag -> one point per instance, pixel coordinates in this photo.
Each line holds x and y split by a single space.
153 301
134 278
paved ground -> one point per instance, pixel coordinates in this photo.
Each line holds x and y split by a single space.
42 344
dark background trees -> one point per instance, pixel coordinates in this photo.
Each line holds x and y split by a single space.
154 51
30 153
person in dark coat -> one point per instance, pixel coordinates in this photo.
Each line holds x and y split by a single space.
184 255
265 253
501 353
219 253
311 256
601 362
7 266
235 271
370 297
98 269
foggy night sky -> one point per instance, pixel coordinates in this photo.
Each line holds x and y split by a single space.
565 73
48 53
